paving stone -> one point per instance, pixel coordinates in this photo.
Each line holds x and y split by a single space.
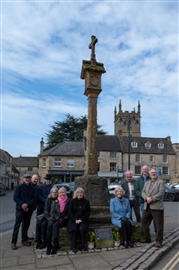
26 259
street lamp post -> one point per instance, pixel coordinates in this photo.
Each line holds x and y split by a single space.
128 124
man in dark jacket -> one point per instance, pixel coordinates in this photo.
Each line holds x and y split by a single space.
25 197
43 192
129 187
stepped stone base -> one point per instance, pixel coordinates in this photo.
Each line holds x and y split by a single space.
65 241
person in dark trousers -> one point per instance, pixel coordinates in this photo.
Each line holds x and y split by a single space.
25 197
56 212
120 215
79 212
145 176
34 181
129 187
152 194
43 192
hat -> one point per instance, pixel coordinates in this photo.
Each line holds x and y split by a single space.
27 175
48 177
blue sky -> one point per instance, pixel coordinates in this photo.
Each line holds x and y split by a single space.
43 44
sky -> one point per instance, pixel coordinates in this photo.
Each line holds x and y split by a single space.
43 44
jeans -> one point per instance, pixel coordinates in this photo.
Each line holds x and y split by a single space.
154 222
21 216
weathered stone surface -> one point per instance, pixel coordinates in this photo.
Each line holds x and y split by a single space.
95 188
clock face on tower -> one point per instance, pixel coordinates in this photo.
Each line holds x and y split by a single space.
94 80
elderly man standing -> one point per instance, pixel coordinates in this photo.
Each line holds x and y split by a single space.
129 187
43 192
139 187
25 197
34 183
152 194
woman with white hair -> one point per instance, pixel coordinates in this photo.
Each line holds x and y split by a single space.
120 215
56 212
79 212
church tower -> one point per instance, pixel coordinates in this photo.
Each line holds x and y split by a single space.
123 121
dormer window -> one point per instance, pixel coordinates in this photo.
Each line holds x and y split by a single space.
134 144
147 145
160 145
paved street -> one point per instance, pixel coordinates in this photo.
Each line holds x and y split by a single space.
140 257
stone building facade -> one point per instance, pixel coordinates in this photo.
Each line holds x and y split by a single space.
9 174
26 165
64 162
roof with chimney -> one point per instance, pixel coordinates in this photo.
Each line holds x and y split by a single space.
65 149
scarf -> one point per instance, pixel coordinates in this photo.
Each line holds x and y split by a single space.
62 203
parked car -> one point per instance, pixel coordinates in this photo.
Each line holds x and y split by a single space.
175 186
2 189
111 189
68 186
171 193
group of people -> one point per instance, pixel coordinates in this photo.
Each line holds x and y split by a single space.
143 195
54 211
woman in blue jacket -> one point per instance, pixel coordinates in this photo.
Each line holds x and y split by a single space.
120 215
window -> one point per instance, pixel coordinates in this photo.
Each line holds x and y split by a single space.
165 170
113 166
57 162
134 144
44 162
151 158
137 157
112 154
147 145
137 169
160 145
165 158
98 153
30 169
70 162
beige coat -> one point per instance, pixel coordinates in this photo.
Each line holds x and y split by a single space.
157 192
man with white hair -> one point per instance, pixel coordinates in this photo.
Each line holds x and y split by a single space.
145 176
129 187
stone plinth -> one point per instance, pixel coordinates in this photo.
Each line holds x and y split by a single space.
96 191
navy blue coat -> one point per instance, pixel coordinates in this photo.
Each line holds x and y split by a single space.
25 194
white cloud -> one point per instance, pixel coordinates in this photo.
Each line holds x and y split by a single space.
43 45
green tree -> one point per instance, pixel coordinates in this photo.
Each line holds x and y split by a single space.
71 129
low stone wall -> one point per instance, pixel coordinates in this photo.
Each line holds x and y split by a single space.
65 240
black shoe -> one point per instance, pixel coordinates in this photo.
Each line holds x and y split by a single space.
38 244
125 244
74 250
54 250
43 245
48 251
130 244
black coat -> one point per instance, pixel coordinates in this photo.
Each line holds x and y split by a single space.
25 194
52 210
78 209
125 186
